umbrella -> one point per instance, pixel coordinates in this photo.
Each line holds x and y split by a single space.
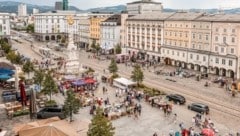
33 107
6 71
6 65
21 127
58 128
13 79
47 121
208 132
78 83
4 77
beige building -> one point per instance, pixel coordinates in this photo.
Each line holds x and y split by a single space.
95 21
205 43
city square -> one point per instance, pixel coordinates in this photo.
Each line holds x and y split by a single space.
160 74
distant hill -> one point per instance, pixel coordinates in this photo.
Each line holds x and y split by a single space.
12 6
114 9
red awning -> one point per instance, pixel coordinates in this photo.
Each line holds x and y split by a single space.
89 81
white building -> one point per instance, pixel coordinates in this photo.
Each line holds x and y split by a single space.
35 11
110 33
84 31
4 25
53 25
144 6
22 10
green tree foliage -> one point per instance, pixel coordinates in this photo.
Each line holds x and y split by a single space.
113 67
30 28
100 125
39 77
14 58
137 74
93 45
28 67
49 85
71 104
5 46
118 49
97 48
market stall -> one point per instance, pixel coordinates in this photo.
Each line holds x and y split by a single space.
123 83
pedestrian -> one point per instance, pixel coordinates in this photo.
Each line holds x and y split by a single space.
139 109
175 118
155 134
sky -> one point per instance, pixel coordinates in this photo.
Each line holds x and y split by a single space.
177 4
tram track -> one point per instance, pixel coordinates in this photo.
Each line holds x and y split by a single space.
213 103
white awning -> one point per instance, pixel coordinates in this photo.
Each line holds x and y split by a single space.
124 81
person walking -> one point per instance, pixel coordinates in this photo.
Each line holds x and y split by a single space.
175 118
155 134
139 109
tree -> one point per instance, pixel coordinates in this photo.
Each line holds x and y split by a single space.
39 78
49 85
113 67
14 58
71 104
30 28
100 125
28 67
137 74
97 48
118 49
5 47
93 45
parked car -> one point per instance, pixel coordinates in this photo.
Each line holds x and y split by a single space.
176 98
199 107
49 112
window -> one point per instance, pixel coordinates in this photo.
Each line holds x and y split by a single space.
200 37
216 29
193 36
177 53
193 46
224 30
206 37
191 56
222 50
163 51
167 51
224 39
197 57
223 61
216 38
172 52
217 60
216 48
183 54
233 30
204 58
232 50
233 40
230 62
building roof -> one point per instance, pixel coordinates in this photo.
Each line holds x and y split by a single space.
152 16
144 1
184 16
220 18
115 18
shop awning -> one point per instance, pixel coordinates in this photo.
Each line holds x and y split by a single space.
4 77
78 83
89 81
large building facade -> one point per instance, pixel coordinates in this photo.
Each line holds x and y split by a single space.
110 33
4 25
143 7
84 31
95 21
22 10
52 26
205 43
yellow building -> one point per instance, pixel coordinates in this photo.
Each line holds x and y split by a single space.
95 21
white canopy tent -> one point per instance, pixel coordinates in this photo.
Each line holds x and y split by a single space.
123 83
